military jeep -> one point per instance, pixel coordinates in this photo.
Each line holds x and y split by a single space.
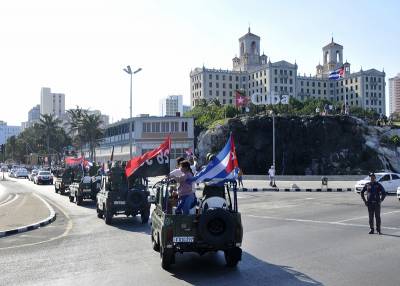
118 195
62 181
85 186
214 224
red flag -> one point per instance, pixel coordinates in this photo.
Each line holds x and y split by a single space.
71 161
136 162
241 99
233 162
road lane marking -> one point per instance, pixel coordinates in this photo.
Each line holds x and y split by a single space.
9 201
320 222
363 217
65 233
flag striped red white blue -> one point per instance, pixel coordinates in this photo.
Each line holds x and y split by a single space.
337 74
221 168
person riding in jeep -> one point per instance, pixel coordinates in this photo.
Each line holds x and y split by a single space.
186 195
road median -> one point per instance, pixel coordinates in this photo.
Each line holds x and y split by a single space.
24 212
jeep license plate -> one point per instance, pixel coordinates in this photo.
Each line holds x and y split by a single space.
183 239
119 202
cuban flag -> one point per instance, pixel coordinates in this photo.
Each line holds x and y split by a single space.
337 74
223 167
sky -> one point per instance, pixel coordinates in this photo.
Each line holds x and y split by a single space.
80 48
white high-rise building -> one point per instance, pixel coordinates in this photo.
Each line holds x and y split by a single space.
394 94
52 103
170 105
7 131
260 78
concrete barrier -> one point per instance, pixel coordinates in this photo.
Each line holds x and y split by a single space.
306 178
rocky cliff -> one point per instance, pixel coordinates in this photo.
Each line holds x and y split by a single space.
329 145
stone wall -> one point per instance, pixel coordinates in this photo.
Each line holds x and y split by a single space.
331 145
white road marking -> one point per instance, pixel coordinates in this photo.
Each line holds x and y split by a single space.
320 222
65 233
363 217
10 201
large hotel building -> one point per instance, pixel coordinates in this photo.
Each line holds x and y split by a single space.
256 74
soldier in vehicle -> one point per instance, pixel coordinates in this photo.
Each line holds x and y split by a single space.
186 195
375 195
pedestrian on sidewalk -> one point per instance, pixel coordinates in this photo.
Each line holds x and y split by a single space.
240 178
375 196
271 174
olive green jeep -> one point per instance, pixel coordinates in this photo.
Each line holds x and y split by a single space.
118 196
213 224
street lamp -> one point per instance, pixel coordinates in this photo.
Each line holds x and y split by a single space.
271 112
128 70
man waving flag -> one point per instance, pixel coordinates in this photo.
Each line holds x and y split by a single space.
223 167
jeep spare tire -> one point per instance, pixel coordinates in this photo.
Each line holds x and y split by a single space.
216 226
135 199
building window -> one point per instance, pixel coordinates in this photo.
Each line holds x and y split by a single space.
210 76
174 127
184 126
217 77
164 127
223 85
217 85
276 80
146 127
223 77
223 93
210 93
217 93
275 71
210 84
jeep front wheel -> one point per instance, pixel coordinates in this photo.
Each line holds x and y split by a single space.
167 257
233 256
107 216
71 199
78 200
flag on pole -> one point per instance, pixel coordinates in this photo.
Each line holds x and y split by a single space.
221 168
152 163
112 154
337 74
241 99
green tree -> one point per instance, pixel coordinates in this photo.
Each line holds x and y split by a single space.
92 133
49 126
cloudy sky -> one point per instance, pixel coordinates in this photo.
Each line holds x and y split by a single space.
80 47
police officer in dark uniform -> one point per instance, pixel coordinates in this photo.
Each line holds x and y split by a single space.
375 195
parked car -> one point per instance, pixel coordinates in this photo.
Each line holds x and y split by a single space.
33 174
389 181
21 173
43 177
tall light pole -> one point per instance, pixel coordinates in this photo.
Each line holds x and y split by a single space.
128 70
273 138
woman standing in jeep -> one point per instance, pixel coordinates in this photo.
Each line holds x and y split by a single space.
186 195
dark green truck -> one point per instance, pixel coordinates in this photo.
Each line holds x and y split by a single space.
215 224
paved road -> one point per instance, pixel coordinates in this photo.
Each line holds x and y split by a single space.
289 239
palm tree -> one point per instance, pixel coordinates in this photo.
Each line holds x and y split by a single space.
50 127
92 132
74 125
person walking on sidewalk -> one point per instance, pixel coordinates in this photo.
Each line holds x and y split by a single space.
240 178
375 196
271 174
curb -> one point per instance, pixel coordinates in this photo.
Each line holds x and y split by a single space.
49 219
324 190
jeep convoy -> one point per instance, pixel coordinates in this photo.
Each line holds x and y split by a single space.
63 179
214 224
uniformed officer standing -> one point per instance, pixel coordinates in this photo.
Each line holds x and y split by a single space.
375 195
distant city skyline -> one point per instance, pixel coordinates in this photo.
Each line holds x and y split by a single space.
84 57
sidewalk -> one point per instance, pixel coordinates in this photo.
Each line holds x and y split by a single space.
22 212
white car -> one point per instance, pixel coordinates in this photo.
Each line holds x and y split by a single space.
43 177
21 173
389 181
